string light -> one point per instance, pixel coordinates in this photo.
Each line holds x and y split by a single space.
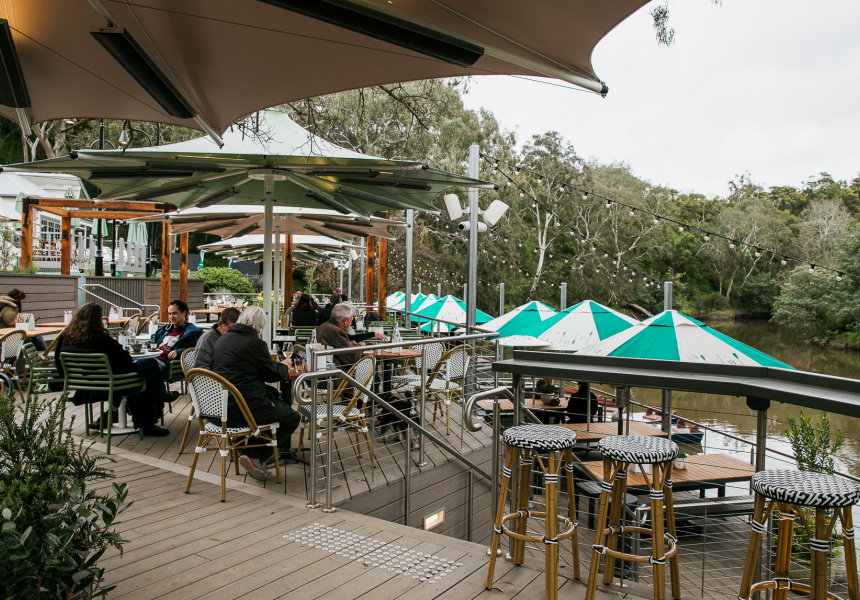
783 262
757 252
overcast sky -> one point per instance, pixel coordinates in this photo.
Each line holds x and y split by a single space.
769 87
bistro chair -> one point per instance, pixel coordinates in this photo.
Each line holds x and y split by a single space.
346 413
525 445
49 351
144 323
186 360
432 353
449 380
10 349
619 452
209 393
40 371
783 492
92 373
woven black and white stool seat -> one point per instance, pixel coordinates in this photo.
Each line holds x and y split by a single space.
539 437
803 488
337 410
215 428
639 449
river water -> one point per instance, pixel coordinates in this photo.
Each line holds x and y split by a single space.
731 415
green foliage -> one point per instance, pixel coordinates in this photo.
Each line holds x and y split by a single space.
32 269
546 388
758 294
813 446
216 279
53 527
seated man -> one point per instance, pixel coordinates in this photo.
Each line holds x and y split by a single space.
578 405
174 337
243 359
203 349
333 333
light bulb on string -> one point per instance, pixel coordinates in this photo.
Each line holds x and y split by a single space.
812 268
707 237
731 244
656 220
608 203
632 212
680 228
585 195
838 276
783 262
561 189
757 252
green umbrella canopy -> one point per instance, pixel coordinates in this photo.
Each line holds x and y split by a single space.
579 326
451 309
671 335
137 233
521 318
307 172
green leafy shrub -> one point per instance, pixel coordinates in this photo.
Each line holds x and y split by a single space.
216 279
711 303
758 294
53 527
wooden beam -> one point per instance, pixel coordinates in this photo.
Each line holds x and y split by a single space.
368 278
26 236
93 204
165 270
383 275
183 267
96 214
66 247
60 212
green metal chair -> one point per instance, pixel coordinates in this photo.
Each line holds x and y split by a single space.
40 372
92 373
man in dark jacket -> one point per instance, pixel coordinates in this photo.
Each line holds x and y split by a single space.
175 337
203 350
333 333
325 313
243 359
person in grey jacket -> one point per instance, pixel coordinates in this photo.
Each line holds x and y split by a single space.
243 359
206 343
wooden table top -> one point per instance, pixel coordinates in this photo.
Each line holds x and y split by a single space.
701 468
40 330
207 311
120 321
531 403
598 431
404 354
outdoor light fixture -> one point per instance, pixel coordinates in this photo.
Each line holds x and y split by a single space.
217 197
122 47
13 89
123 138
494 212
452 206
70 121
388 28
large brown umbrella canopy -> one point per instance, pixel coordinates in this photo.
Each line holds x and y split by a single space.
224 59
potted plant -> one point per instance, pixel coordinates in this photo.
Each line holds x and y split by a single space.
680 463
54 526
548 393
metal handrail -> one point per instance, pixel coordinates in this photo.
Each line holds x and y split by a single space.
83 287
337 373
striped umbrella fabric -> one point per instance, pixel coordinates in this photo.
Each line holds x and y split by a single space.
579 326
511 324
671 335
451 309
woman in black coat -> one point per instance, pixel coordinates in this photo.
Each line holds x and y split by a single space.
86 334
304 314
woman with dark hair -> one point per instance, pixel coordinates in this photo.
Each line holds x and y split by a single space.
86 334
305 314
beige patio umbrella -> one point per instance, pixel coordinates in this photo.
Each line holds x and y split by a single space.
206 63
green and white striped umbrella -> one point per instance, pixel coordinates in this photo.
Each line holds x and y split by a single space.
400 304
394 299
579 326
451 309
671 335
511 325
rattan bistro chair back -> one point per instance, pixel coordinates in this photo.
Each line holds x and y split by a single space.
10 347
346 413
186 361
92 373
209 394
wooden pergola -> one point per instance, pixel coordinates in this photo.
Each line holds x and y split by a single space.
69 208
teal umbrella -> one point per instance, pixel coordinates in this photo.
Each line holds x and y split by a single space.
522 318
137 233
671 335
579 326
451 309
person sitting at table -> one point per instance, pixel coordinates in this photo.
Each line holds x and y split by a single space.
333 333
203 349
325 313
174 337
304 314
10 306
577 404
243 359
86 334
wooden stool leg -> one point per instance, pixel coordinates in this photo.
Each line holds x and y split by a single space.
500 512
819 548
850 556
607 487
757 525
551 477
658 541
674 570
524 484
783 548
571 512
618 499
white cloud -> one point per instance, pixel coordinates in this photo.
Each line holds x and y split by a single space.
765 86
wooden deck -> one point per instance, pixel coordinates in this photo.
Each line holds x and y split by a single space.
264 545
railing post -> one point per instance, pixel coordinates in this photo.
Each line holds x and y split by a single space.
470 506
760 405
422 401
312 438
328 444
407 477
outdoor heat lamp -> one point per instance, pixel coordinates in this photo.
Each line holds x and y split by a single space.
388 28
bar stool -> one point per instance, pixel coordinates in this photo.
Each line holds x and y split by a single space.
524 443
618 453
786 490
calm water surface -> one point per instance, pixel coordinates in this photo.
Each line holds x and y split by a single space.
730 413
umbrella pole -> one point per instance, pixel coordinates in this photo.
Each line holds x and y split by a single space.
361 274
276 272
267 258
667 394
407 307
